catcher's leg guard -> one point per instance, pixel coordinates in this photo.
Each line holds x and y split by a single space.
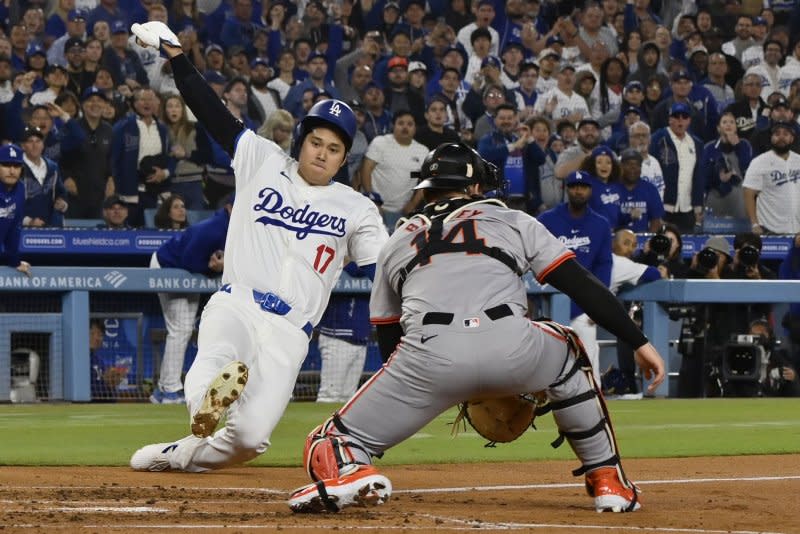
583 420
331 453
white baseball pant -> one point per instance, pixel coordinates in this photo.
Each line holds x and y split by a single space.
179 311
233 327
342 364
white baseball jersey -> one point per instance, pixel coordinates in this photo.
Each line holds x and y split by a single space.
292 238
566 104
778 182
624 271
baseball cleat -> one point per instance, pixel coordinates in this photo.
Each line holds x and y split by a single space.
153 457
154 33
223 391
365 487
610 494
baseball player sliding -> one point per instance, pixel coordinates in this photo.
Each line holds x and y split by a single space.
290 230
449 303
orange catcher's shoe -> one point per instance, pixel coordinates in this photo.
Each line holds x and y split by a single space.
609 492
363 487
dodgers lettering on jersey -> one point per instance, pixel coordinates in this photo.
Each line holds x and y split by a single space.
291 238
301 221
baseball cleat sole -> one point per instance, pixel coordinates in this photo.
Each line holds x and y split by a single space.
364 489
224 390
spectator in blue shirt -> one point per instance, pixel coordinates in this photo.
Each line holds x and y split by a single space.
45 195
12 206
639 199
588 235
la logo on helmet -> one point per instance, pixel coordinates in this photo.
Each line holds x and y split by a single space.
335 109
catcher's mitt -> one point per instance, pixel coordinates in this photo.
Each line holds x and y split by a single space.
499 420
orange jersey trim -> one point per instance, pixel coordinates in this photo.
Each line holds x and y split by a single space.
558 261
384 320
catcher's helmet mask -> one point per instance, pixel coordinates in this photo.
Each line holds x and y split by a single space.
456 166
332 114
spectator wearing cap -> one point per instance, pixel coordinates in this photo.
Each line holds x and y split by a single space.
769 70
398 95
75 29
115 214
56 79
107 11
262 101
45 196
512 56
525 93
511 148
679 152
771 188
56 24
484 16
435 132
239 28
548 69
588 137
619 139
716 83
87 166
78 78
12 205
724 163
588 234
562 102
36 61
633 96
413 14
387 167
317 74
743 39
638 199
781 111
124 63
697 62
215 61
701 105
140 144
418 77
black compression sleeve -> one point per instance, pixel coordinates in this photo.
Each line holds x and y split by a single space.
596 300
205 104
388 337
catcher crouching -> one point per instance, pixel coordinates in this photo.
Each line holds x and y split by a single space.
449 304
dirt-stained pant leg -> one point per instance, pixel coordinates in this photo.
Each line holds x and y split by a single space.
456 362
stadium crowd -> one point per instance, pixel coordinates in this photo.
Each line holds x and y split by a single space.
668 111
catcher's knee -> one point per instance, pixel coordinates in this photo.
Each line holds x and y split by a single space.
329 452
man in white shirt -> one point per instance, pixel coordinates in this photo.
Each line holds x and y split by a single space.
639 138
742 41
484 15
548 66
387 167
561 102
772 185
769 70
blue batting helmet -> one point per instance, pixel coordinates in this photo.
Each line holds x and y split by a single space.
333 114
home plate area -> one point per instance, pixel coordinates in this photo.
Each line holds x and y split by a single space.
696 495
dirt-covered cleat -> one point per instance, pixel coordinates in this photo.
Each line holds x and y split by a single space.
364 487
224 390
153 457
610 493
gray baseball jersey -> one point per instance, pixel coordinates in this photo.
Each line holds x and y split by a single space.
451 282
